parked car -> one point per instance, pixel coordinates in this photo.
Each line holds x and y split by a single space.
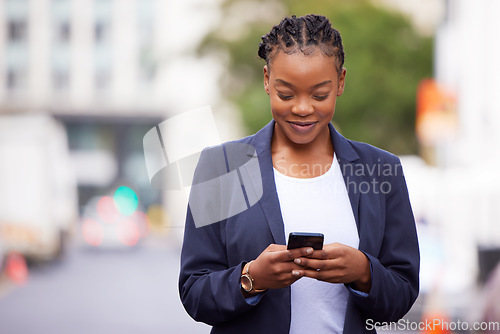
115 221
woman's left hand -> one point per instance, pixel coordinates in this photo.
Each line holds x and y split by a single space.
337 263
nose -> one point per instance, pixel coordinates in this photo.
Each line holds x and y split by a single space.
303 107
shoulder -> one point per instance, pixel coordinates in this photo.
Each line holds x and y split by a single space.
373 163
219 159
372 154
231 145
352 151
240 149
244 140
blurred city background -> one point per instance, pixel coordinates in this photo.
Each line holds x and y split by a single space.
87 245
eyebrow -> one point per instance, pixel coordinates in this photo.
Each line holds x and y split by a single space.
286 83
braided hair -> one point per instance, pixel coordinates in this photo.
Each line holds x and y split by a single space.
305 34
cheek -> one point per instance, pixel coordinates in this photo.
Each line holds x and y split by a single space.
279 106
327 109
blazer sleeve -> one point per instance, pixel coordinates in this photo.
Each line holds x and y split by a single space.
395 269
209 288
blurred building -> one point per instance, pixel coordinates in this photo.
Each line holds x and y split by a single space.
97 67
467 64
89 56
457 200
109 71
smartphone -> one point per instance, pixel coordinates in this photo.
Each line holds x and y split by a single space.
305 239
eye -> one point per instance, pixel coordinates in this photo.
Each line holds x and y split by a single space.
284 97
320 97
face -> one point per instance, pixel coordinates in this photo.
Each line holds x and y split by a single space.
303 91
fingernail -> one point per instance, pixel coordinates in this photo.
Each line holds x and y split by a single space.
295 273
297 261
309 250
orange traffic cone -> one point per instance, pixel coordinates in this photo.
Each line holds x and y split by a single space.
435 323
16 268
434 318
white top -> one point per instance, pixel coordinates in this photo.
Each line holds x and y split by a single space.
318 204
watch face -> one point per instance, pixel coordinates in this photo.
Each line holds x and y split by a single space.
246 283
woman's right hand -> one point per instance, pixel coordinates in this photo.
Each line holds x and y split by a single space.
274 267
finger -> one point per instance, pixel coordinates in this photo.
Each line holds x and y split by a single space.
332 251
315 264
304 251
296 274
322 254
290 276
319 275
291 254
297 252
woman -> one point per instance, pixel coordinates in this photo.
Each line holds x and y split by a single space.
237 274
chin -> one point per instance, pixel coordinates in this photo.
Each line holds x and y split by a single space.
301 140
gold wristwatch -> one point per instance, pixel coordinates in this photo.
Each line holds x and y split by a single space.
247 279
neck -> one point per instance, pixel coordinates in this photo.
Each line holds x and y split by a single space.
295 160
321 146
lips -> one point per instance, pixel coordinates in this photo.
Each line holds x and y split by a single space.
302 126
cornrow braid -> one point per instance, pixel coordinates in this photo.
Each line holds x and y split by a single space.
304 34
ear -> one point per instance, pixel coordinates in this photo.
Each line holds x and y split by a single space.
340 89
266 79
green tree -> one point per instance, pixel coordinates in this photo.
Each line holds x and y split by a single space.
385 60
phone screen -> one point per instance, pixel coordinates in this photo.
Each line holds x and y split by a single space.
305 239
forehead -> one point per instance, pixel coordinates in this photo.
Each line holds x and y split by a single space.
299 67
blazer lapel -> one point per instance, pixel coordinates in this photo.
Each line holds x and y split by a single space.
269 201
346 157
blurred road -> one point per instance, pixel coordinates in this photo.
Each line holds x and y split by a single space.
110 291
101 291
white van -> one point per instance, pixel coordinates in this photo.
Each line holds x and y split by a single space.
38 189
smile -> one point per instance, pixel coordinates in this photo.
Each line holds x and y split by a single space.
302 126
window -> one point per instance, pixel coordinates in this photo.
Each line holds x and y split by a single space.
60 48
102 16
17 31
16 16
146 11
15 79
16 48
16 64
63 32
101 32
61 16
103 50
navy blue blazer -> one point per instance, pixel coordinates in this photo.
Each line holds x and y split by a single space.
213 256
